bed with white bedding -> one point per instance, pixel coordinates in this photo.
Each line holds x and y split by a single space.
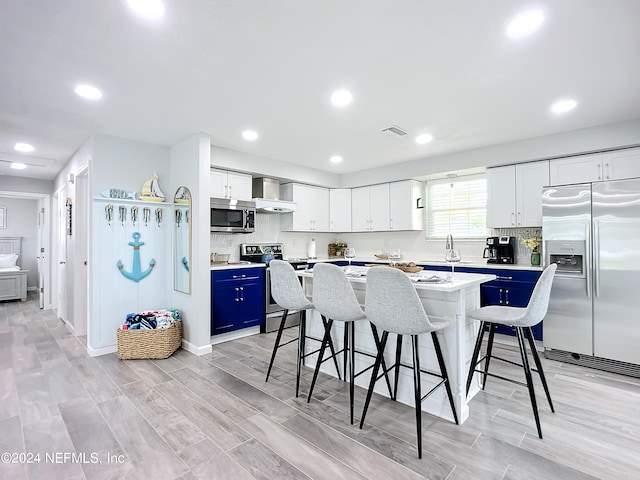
13 280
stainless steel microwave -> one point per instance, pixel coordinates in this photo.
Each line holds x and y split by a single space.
232 216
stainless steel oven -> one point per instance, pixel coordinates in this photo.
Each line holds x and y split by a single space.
253 252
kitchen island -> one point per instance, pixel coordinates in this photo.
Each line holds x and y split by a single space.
442 301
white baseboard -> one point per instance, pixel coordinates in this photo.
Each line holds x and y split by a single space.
96 352
196 350
225 337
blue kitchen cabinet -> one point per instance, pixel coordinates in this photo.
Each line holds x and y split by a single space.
237 299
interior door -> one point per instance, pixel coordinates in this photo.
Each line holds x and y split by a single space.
41 254
62 254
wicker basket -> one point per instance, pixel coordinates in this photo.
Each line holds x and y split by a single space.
156 343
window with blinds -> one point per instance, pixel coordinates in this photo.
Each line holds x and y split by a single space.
457 206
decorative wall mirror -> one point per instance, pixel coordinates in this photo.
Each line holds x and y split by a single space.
182 240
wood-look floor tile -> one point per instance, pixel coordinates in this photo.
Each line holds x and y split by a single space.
261 401
517 459
304 456
9 404
190 360
169 365
92 437
263 464
71 347
209 462
216 425
380 440
147 451
94 381
360 458
220 399
49 438
147 371
166 417
11 442
37 402
120 372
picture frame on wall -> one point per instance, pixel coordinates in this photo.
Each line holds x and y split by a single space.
3 217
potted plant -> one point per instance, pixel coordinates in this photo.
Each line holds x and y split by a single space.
534 244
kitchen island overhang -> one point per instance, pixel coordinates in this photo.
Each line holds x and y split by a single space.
448 301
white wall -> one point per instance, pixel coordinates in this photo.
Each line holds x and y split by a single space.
126 164
21 220
265 167
604 137
190 162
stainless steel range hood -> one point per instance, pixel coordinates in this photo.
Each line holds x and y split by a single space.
266 193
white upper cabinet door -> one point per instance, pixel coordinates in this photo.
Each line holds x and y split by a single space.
218 183
530 179
360 218
224 184
312 208
404 209
501 197
340 210
239 185
621 164
379 207
572 170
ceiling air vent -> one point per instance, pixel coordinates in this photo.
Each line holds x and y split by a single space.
394 131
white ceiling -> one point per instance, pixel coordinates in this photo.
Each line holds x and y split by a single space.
219 67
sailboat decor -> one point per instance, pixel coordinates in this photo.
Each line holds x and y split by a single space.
151 190
136 274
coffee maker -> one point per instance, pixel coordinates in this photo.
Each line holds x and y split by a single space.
500 249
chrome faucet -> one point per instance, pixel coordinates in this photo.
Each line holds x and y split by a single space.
449 244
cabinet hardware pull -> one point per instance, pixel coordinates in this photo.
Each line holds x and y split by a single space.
239 276
607 165
498 277
599 172
512 216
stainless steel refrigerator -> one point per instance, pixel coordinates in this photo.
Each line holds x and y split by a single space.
592 231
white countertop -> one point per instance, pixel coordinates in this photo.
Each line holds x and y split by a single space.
460 280
233 265
468 264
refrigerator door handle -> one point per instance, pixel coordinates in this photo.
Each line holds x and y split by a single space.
587 256
596 257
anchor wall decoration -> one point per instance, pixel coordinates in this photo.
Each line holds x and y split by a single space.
136 274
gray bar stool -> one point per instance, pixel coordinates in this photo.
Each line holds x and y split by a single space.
287 292
335 300
521 319
393 305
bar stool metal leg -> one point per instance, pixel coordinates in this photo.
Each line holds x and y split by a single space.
374 375
445 375
536 359
325 340
417 391
527 373
475 355
396 375
277 344
487 357
302 328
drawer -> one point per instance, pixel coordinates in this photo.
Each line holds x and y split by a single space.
236 275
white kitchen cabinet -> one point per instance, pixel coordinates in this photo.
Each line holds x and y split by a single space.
598 167
225 184
312 208
405 212
370 208
514 194
340 210
621 164
579 169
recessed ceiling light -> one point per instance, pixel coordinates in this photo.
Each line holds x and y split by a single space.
23 147
525 23
341 98
336 159
88 92
18 166
424 138
249 135
563 106
151 9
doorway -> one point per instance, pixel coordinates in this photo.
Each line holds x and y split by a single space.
41 233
